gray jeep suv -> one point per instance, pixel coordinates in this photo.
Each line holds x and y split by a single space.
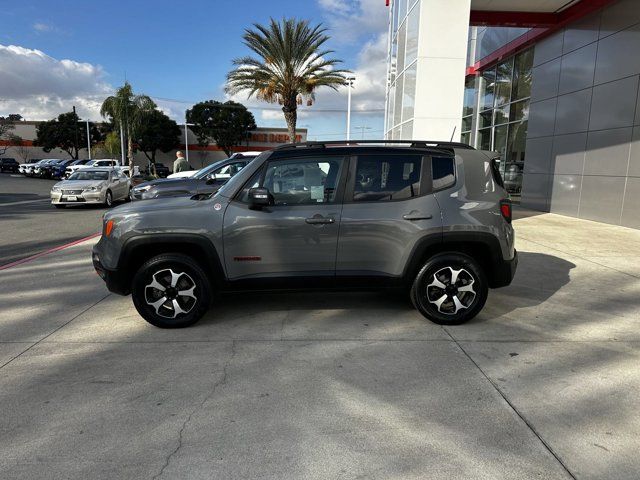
431 218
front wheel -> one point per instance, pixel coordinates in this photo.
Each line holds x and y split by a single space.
108 199
171 291
450 289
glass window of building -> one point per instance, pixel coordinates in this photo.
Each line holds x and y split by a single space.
402 37
522 75
503 117
504 77
409 96
413 21
397 111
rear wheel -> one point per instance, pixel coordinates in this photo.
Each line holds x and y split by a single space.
171 291
450 289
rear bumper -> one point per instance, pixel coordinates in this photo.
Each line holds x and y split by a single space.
503 272
115 280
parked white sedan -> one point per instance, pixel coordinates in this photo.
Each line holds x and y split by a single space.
92 185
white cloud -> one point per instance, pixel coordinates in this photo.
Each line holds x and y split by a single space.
39 87
42 27
350 20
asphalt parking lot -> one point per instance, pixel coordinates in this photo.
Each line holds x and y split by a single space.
30 224
542 384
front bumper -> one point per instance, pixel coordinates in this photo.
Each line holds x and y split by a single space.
86 197
116 282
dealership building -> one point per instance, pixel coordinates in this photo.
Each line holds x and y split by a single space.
552 85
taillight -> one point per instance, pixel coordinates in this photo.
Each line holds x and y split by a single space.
505 209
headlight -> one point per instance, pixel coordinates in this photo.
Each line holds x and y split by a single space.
146 188
91 189
55 189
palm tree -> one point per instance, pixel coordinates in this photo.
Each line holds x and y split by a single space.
290 66
127 111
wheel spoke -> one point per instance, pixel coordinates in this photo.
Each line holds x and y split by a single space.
175 277
454 275
188 293
176 308
437 283
458 304
158 303
467 288
155 284
438 303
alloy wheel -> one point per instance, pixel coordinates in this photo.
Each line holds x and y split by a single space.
170 294
451 290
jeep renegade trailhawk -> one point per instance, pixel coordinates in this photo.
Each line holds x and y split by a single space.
432 218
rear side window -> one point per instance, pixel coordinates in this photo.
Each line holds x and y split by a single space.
382 178
495 171
443 172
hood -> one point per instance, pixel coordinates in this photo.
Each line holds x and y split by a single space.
158 205
79 184
167 181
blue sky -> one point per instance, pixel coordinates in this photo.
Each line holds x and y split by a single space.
76 52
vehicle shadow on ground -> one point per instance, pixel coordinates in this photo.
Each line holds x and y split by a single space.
540 277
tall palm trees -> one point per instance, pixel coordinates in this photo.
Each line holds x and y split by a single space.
127 111
290 66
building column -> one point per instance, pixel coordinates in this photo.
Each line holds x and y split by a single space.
441 68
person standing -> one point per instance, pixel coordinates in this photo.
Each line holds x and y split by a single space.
181 164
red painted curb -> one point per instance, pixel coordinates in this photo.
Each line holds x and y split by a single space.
47 252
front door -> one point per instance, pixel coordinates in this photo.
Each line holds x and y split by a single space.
295 236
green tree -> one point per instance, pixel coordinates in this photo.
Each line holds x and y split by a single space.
158 132
66 133
127 110
290 66
112 144
228 124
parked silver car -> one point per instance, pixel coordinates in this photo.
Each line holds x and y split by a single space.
92 185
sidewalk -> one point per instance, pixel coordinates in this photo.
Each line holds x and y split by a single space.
543 384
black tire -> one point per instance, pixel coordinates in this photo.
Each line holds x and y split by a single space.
108 199
128 197
59 205
160 268
470 276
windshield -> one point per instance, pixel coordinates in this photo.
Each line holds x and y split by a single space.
89 175
207 170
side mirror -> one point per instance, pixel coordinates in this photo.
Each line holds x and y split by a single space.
259 197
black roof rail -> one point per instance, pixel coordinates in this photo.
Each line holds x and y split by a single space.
411 143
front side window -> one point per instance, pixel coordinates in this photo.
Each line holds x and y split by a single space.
303 181
387 177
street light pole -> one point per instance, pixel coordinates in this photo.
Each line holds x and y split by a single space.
75 144
350 81
88 140
186 140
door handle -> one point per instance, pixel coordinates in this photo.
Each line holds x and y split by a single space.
319 220
416 215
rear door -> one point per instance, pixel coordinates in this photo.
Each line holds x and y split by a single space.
297 235
388 208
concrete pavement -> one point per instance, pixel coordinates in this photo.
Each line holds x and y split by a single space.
542 384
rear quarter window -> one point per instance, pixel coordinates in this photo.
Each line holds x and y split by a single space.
443 171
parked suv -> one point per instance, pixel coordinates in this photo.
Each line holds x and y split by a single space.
9 165
431 218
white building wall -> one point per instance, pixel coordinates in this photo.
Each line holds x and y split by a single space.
427 63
